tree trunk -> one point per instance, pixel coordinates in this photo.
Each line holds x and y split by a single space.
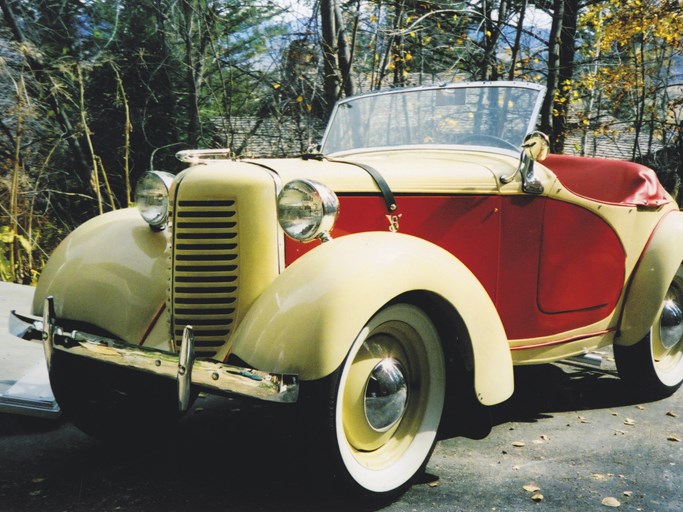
190 80
553 60
566 74
344 52
518 40
329 50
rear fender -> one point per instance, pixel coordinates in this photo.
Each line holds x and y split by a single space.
307 320
651 279
110 272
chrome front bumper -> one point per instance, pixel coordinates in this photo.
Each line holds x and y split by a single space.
183 367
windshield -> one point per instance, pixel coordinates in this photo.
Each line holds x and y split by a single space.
493 114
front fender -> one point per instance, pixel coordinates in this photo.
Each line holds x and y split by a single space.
307 320
110 272
651 279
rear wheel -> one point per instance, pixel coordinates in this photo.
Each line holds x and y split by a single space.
654 365
385 403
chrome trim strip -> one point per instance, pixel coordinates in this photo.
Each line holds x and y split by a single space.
205 373
578 337
197 156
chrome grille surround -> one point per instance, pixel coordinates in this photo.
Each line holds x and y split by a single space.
204 271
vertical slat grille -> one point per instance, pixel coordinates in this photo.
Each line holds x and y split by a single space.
205 271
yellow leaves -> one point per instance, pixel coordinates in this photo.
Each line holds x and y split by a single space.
622 22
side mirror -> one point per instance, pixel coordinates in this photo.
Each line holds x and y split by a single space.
536 146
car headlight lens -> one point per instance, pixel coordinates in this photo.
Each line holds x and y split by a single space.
307 210
151 197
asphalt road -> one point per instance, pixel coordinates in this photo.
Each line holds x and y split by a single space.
570 438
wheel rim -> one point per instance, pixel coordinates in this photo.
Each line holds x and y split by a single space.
667 346
385 438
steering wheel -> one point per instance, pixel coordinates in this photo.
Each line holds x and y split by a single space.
487 140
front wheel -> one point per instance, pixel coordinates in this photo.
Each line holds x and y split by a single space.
384 403
654 365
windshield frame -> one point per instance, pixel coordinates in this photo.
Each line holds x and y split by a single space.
539 89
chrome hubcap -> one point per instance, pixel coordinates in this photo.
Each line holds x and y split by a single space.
386 395
671 324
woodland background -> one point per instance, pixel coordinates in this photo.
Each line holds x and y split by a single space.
95 92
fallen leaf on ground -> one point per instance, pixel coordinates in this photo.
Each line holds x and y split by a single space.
537 496
672 414
433 480
531 488
640 407
611 502
629 421
601 477
675 438
518 444
628 494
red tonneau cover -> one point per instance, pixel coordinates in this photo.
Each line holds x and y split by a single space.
608 181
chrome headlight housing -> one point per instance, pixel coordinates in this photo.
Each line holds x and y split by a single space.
151 197
307 210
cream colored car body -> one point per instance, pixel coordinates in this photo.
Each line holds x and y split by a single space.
112 271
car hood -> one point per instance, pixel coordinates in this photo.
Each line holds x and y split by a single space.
424 171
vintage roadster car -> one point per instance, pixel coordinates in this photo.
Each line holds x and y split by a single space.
429 243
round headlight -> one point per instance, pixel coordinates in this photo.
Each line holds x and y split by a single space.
151 197
307 210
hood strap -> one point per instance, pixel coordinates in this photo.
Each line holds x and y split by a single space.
387 194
